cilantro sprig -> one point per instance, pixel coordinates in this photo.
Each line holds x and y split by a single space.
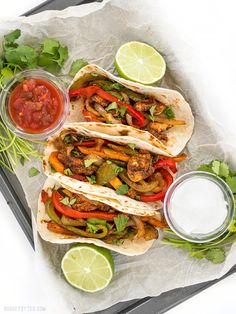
213 251
121 222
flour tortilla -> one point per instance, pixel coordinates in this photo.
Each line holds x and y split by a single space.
130 248
109 196
178 136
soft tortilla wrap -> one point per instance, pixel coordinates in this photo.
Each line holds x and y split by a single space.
130 248
108 196
178 135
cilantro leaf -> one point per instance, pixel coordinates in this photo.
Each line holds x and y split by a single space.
205 167
77 65
73 201
122 110
92 228
122 189
152 110
52 55
22 55
232 227
216 166
89 162
111 106
33 172
6 75
231 181
10 38
68 172
121 222
169 113
92 179
109 226
119 169
118 241
215 255
63 55
131 145
45 59
94 74
224 170
54 68
152 118
65 201
50 46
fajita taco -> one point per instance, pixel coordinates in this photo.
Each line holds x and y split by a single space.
65 216
124 175
159 118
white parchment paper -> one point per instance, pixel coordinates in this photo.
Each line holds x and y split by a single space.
95 32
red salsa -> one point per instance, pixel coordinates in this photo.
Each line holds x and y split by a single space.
35 105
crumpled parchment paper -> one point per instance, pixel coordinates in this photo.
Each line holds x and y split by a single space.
95 32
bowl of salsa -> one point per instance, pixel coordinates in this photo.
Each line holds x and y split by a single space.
34 104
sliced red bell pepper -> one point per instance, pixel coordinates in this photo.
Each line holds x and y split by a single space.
94 89
90 117
44 196
70 212
85 143
161 195
88 91
167 162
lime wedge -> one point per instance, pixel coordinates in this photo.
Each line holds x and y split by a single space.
140 62
88 267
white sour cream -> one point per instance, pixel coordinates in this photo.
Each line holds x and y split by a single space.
198 206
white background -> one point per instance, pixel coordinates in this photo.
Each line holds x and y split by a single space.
17 284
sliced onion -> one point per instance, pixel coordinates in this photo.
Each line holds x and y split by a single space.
100 110
90 109
110 119
69 149
139 225
125 97
108 116
129 119
80 102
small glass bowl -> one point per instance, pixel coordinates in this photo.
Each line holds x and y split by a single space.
11 84
199 237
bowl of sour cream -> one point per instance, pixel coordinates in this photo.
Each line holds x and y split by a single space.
199 206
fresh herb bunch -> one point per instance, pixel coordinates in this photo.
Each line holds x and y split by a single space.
13 148
51 56
213 251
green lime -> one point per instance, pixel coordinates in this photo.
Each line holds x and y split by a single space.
140 62
88 267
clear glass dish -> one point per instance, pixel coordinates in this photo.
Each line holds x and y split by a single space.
199 237
12 83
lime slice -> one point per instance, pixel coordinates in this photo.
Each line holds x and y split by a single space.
88 267
140 62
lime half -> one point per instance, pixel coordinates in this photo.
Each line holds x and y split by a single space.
140 62
88 267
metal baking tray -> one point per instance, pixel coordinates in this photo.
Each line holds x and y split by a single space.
14 195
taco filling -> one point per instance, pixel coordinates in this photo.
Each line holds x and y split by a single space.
73 214
107 101
128 170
